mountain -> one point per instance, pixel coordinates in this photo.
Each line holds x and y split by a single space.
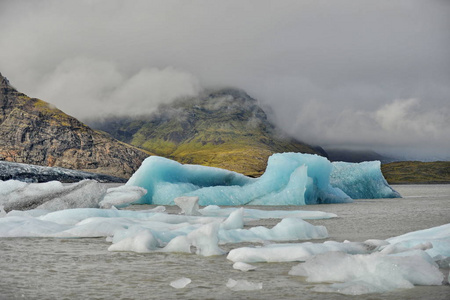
225 128
33 131
355 156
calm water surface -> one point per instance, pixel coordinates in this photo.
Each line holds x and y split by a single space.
45 268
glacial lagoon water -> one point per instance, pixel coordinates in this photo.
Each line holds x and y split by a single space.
48 268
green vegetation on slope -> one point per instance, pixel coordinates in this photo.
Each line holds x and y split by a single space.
403 172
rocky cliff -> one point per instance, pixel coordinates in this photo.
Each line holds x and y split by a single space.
225 128
33 131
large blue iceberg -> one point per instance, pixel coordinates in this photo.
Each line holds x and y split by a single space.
290 179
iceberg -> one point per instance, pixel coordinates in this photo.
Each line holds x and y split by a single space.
54 195
361 180
34 173
290 179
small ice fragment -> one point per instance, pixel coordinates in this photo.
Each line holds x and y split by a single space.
188 205
121 196
243 266
2 212
235 220
243 285
180 283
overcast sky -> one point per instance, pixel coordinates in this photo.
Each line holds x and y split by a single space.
367 74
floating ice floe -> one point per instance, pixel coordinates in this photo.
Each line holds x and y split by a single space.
242 266
243 285
290 179
54 195
438 237
180 283
373 273
359 268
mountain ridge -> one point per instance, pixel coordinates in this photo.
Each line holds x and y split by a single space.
35 132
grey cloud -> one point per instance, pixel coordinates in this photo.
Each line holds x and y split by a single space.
343 62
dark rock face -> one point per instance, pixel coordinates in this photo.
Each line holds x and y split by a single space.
32 131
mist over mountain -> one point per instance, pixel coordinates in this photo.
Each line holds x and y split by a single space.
224 128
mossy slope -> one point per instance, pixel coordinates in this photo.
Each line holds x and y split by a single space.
403 172
225 128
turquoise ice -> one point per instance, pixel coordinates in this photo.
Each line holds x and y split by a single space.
290 179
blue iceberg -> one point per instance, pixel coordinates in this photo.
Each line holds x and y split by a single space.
290 179
361 180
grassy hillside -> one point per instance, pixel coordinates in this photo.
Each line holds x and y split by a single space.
403 172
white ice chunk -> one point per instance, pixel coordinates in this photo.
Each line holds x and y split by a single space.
180 283
142 242
51 195
234 221
244 267
288 229
250 213
189 205
361 274
205 240
243 285
439 237
121 196
294 252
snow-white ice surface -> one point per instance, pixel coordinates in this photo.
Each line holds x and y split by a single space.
372 273
180 283
359 268
438 237
121 196
290 179
50 195
243 285
242 266
189 205
54 195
